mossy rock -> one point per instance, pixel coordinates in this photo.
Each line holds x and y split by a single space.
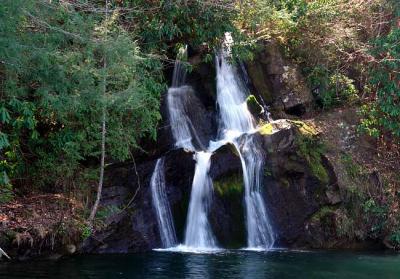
312 150
322 213
266 129
229 192
304 128
253 105
229 186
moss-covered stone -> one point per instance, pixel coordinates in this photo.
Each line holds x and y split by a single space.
312 149
266 129
229 193
228 186
304 128
253 105
257 76
323 212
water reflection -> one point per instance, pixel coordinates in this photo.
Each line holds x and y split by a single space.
228 264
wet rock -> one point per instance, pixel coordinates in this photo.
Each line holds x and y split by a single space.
227 209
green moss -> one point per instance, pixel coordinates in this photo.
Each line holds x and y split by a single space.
311 149
228 186
353 169
253 105
322 212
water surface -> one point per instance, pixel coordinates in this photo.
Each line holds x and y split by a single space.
228 264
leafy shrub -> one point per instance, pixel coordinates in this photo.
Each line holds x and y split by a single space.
332 89
383 114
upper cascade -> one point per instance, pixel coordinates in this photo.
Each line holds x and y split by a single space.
181 100
179 75
231 98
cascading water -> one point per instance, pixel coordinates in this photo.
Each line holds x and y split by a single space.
231 100
198 231
259 230
237 120
161 206
236 124
180 98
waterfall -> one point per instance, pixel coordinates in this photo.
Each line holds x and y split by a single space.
236 125
237 120
259 230
231 99
179 75
198 231
180 99
161 206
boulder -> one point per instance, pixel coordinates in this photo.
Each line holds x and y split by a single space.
279 81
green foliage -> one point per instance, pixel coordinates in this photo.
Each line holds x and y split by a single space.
105 212
159 25
85 230
383 115
395 238
52 91
353 169
333 89
322 213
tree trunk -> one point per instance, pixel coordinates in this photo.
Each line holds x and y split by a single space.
103 140
101 178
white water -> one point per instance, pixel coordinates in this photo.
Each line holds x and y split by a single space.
260 233
198 231
179 101
198 234
231 99
161 206
237 120
235 124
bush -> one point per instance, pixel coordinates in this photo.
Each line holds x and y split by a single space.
332 90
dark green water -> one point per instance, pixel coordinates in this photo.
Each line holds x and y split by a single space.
232 264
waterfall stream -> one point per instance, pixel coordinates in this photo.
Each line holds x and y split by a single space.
237 120
161 206
198 231
236 125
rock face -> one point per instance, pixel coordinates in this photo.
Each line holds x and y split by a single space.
293 192
135 228
278 81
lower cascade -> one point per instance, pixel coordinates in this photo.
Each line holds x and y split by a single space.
259 228
198 231
236 126
161 206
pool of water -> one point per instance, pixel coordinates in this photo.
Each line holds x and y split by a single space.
225 264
